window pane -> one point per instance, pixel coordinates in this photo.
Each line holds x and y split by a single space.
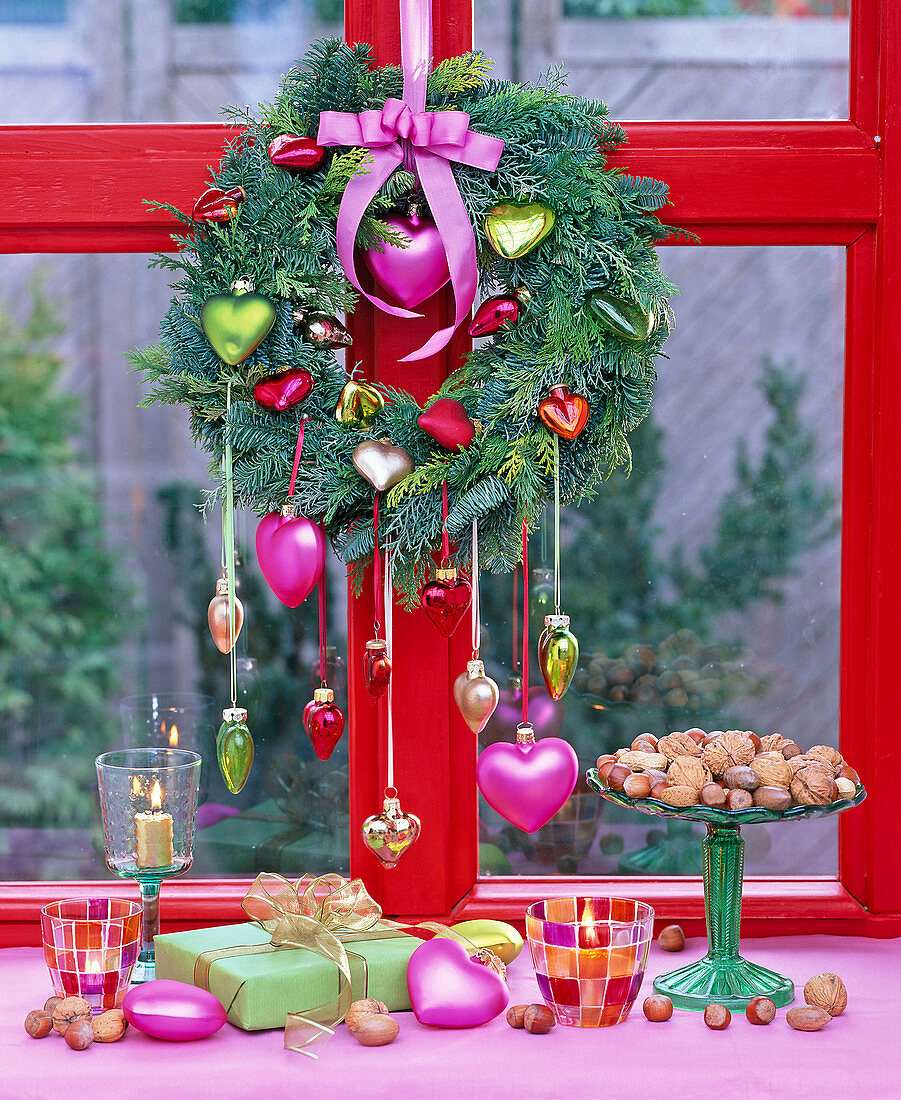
680 59
111 61
704 589
106 572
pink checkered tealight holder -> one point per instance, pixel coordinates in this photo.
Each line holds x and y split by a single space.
90 947
589 956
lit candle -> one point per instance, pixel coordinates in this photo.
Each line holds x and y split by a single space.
590 937
153 834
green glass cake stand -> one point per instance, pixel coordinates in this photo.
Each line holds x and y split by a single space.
723 976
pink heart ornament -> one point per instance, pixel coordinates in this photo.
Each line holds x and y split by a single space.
528 783
449 989
291 553
412 274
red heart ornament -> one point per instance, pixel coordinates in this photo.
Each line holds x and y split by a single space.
296 154
281 391
445 420
493 314
563 412
445 600
216 205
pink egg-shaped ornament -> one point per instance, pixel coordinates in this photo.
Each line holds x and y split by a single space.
449 989
166 1009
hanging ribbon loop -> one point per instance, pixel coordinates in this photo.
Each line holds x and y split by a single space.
427 141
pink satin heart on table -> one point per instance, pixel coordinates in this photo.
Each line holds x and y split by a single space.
291 553
411 274
281 391
449 989
545 715
527 784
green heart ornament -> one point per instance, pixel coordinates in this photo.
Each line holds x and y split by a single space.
514 228
236 324
619 315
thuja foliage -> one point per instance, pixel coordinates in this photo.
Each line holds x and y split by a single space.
284 241
64 605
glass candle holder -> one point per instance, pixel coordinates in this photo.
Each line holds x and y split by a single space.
91 946
589 956
148 802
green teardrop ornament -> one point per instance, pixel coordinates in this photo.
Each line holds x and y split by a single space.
619 315
558 654
234 748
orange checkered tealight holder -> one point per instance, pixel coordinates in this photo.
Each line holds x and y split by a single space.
589 956
90 947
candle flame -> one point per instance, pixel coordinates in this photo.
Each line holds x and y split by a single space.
135 786
173 736
94 966
587 920
156 796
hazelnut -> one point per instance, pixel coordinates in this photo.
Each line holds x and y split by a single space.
755 741
845 788
678 744
805 1018
847 772
109 1026
80 1034
362 1010
657 791
811 787
773 798
712 794
671 938
827 991
605 769
538 1019
68 1011
772 771
38 1024
679 796
515 1015
717 1017
688 771
658 1009
644 742
51 1003
739 800
791 750
617 776
604 759
697 735
741 777
637 786
761 1010
655 776
376 1030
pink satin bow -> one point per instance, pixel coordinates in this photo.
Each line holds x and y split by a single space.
434 138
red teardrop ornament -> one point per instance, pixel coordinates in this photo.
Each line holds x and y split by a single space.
296 154
493 314
446 599
563 412
281 391
216 205
376 668
323 722
446 421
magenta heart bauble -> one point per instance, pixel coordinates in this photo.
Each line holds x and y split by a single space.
412 274
281 391
449 989
172 1010
447 422
291 553
527 784
545 715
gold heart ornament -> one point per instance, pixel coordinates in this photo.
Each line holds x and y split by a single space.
515 228
359 404
236 324
381 464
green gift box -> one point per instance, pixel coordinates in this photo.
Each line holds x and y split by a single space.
259 990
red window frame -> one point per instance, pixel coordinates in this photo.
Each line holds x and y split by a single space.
733 183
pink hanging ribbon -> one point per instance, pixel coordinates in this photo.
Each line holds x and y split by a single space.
403 131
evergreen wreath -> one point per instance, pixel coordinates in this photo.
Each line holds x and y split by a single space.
283 240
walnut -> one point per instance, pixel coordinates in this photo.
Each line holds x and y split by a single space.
773 771
812 787
688 771
678 744
772 741
830 755
725 752
68 1011
799 763
827 991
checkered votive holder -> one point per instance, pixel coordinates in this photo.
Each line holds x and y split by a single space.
589 956
90 946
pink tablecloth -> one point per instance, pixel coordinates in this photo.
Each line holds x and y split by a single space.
856 1055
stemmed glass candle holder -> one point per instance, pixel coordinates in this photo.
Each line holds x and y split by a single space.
589 956
148 801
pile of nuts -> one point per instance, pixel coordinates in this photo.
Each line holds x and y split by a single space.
825 996
72 1018
369 1023
537 1019
731 770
